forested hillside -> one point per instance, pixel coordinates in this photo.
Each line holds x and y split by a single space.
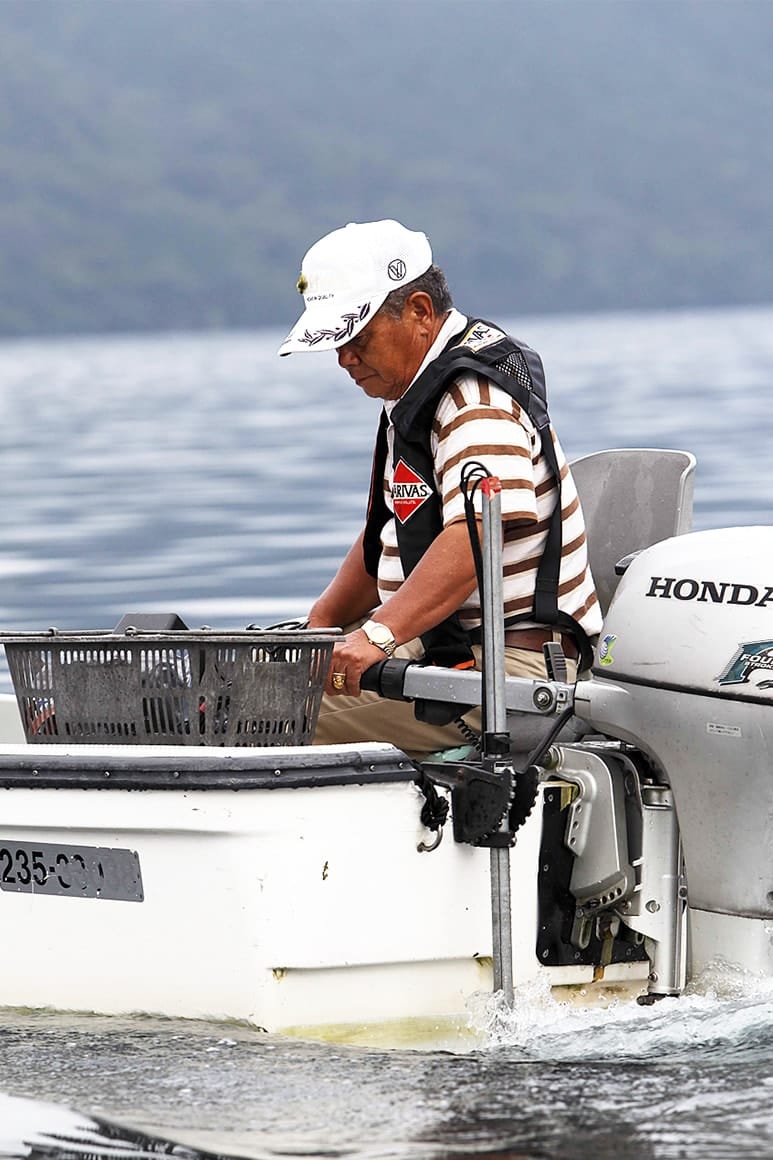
165 163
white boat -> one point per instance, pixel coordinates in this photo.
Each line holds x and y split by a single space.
317 891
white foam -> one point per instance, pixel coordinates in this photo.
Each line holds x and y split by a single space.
722 1006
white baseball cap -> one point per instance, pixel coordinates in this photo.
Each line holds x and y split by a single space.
347 275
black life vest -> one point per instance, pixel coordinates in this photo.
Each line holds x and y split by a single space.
488 351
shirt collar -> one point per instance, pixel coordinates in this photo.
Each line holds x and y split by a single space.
453 325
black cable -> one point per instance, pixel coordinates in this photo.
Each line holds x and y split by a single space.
468 733
472 476
542 746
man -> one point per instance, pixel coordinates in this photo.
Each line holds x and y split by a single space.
455 391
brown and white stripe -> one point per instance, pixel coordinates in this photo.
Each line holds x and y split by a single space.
475 420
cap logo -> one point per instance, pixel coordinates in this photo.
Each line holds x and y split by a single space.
302 284
396 269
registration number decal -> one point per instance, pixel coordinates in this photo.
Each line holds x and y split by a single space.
70 871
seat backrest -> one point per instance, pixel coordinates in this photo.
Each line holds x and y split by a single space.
631 497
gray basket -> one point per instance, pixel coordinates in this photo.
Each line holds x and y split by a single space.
195 687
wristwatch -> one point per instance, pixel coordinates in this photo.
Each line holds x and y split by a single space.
379 635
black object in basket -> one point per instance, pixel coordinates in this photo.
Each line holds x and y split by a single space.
190 687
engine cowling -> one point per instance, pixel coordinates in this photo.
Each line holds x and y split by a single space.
695 613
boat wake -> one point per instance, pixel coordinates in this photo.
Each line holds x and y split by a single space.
725 1010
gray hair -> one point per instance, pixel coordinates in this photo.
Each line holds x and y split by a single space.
432 282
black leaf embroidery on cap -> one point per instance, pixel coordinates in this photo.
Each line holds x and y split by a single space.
348 321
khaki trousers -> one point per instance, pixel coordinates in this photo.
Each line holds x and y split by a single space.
370 717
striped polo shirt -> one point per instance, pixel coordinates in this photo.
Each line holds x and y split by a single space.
475 420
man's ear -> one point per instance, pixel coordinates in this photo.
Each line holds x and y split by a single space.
419 308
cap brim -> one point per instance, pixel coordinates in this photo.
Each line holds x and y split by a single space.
321 327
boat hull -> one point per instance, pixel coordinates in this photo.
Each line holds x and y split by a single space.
284 888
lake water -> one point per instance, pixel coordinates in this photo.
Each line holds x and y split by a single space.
202 475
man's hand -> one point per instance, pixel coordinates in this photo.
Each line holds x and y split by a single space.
351 657
438 585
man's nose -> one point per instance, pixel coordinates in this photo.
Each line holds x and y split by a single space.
347 356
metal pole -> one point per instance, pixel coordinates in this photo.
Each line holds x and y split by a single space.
493 635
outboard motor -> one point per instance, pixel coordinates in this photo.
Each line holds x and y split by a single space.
652 776
683 675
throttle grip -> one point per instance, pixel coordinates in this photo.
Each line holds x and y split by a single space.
387 678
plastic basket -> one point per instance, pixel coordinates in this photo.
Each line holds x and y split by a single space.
196 687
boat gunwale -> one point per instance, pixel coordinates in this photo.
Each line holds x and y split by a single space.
122 767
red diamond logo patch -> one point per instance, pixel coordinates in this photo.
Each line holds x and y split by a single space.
409 491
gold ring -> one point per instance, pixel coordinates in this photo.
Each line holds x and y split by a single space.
339 681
